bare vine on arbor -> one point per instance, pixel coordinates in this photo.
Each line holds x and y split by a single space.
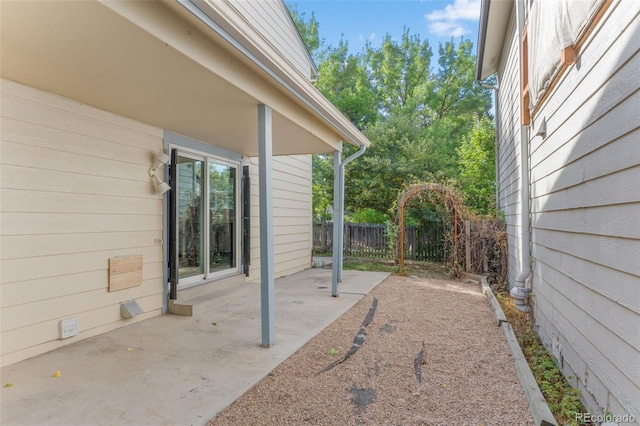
453 222
471 243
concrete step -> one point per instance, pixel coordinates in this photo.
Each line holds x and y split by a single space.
207 297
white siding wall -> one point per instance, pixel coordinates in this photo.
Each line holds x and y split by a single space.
585 189
74 193
271 19
292 213
509 143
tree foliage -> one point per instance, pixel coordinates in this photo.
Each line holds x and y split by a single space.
398 69
322 187
426 122
343 79
477 167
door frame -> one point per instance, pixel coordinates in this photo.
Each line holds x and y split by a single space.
192 147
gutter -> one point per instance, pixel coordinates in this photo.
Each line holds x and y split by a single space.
338 216
520 292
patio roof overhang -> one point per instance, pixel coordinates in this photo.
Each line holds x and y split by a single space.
159 63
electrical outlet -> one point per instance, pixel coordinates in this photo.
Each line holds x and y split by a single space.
69 327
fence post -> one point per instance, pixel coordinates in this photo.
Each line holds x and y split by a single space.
346 237
485 257
467 246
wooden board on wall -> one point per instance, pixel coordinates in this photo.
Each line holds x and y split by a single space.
125 272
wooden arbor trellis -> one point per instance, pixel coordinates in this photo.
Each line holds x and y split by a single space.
454 224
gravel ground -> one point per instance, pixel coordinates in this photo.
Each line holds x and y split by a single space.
432 355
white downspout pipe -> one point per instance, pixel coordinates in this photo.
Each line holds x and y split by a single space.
519 291
338 216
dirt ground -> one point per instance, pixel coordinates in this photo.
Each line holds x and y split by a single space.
431 354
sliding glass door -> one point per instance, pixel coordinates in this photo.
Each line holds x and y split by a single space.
207 218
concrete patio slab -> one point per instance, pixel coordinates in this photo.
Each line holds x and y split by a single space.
172 369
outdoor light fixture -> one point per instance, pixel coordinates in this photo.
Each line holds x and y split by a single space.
161 160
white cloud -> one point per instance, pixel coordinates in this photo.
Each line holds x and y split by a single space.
450 21
370 37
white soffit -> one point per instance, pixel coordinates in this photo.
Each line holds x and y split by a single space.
491 37
143 61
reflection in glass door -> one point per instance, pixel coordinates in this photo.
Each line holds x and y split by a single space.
190 217
207 218
222 217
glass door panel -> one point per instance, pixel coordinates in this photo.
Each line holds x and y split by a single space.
191 224
222 217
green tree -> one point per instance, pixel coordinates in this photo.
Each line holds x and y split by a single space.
343 79
397 157
322 187
398 70
477 167
456 91
421 122
416 138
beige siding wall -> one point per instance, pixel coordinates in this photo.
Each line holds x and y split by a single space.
292 213
74 193
585 210
271 19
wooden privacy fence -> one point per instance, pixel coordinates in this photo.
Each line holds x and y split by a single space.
483 244
371 240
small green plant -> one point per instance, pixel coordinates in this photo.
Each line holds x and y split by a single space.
390 233
571 404
332 352
563 400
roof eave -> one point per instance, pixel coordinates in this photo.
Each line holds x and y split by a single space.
299 86
494 21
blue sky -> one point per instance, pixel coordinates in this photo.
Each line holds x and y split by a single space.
362 20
